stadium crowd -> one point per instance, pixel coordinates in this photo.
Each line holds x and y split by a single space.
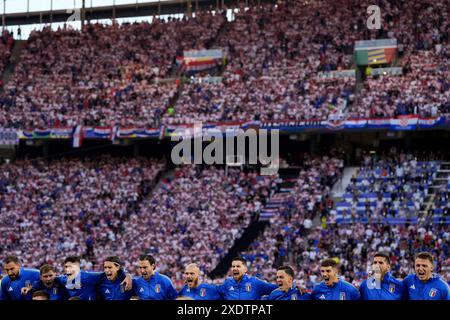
53 209
105 75
186 213
6 47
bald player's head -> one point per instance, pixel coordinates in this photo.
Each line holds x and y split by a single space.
191 275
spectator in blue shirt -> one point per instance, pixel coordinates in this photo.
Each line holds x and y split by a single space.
152 285
12 286
381 285
194 287
286 287
242 286
424 284
333 288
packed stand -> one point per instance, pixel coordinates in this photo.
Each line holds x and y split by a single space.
52 209
194 216
104 75
6 47
295 218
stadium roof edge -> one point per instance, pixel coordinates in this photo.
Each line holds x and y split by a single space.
121 11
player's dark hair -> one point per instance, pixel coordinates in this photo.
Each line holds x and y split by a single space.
147 257
329 263
13 259
425 256
72 259
47 268
115 260
41 293
241 259
383 255
289 271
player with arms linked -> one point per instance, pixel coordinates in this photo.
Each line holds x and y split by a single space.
242 286
333 288
424 284
381 285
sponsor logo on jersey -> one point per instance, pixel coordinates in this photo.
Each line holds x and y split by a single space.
141 290
107 291
413 287
231 289
10 289
322 297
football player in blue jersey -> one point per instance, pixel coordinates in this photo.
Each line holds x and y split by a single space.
194 287
18 278
84 284
424 284
152 285
242 286
50 284
333 288
112 288
381 285
287 290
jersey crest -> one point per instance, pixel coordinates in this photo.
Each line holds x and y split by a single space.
248 287
158 288
294 296
392 288
202 292
342 295
433 292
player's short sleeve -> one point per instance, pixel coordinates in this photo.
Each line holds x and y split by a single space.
362 290
3 287
221 289
95 277
445 291
354 293
264 288
171 292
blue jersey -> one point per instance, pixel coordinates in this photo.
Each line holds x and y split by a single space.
56 292
203 291
433 289
158 287
341 290
390 288
11 289
113 290
249 288
292 294
84 285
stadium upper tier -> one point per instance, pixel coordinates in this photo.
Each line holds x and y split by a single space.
104 75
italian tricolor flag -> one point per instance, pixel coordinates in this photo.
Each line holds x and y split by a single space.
373 56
